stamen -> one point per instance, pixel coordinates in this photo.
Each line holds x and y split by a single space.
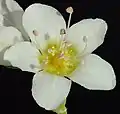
85 47
70 11
35 33
62 37
60 62
63 44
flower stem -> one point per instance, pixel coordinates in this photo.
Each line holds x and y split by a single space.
61 109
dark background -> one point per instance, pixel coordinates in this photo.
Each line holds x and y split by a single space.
15 85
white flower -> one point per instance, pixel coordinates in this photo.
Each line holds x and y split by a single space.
10 26
53 55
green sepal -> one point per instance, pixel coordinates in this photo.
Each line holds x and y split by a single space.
61 109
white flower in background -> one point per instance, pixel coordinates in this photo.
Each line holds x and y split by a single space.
10 26
57 52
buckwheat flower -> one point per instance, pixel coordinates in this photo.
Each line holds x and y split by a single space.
59 55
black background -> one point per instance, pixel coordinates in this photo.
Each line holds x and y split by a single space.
15 85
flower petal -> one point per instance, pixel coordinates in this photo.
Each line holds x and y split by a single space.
95 74
12 13
50 91
24 56
12 5
46 21
90 31
8 37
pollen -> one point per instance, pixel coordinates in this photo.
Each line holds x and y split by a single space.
59 58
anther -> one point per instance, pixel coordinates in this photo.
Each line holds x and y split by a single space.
62 32
35 32
85 39
69 10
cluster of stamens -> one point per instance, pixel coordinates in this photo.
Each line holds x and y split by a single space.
59 58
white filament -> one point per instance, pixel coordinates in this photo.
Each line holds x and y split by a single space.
69 21
35 33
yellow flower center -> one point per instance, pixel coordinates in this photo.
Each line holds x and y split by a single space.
59 58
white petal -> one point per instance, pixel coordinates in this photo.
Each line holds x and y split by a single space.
24 56
45 20
12 13
3 9
95 74
8 5
8 37
12 5
93 30
50 91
